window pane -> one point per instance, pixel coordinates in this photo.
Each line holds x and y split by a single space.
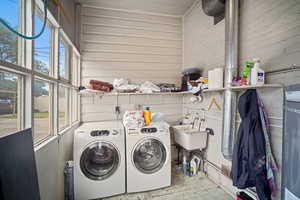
63 107
63 60
9 11
42 110
42 45
9 112
74 69
74 106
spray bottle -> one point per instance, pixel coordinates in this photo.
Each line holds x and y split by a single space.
246 76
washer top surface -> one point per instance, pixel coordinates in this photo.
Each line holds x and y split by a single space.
100 125
156 128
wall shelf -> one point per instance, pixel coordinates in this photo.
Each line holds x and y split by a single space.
235 88
240 88
100 93
213 90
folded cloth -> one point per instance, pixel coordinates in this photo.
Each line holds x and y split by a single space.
149 87
119 82
99 85
133 119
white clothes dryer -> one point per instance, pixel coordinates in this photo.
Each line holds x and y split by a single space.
148 157
99 160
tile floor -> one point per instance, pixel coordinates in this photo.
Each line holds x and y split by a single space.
183 188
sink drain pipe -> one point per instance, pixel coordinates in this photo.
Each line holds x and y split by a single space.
231 68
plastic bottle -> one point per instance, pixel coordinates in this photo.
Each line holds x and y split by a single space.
147 116
185 167
257 74
247 72
194 165
192 169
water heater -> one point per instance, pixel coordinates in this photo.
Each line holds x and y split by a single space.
291 145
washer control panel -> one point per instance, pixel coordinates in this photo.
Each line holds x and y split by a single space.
96 133
149 130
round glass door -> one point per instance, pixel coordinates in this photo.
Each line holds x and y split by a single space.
99 161
149 156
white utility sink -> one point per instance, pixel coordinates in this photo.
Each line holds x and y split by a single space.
189 138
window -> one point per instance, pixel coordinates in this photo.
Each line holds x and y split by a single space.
75 108
9 10
75 69
42 45
63 60
10 95
42 112
63 109
49 101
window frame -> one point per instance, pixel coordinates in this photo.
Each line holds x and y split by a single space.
20 97
68 56
25 69
51 110
68 111
39 13
22 8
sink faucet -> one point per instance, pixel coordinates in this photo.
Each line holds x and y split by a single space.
194 122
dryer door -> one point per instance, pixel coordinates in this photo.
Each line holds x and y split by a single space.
99 161
149 156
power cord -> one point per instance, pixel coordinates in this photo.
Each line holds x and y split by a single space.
5 24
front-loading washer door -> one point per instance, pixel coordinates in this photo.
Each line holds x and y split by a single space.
99 160
149 156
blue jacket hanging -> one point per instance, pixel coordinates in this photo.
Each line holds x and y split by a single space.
249 154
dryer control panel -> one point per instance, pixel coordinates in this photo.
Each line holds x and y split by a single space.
149 130
96 133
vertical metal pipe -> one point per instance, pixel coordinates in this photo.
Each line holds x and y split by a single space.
231 68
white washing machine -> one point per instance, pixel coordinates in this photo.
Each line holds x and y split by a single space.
148 158
99 160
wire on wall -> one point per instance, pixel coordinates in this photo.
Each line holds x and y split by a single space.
5 24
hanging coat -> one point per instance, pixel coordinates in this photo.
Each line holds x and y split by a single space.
249 154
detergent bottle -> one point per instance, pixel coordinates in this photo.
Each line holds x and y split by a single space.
147 116
257 74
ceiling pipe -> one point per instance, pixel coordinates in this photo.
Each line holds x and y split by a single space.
231 68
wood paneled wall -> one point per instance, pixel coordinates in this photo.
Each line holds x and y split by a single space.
118 43
123 44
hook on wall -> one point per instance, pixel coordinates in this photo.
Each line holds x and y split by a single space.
214 102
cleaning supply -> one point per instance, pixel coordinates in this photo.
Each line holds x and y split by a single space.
246 75
147 116
257 74
194 165
185 166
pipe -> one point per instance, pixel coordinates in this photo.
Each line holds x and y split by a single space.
231 68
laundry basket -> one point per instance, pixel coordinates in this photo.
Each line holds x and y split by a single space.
69 180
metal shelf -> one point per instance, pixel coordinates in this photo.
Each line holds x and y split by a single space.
100 93
213 90
240 88
235 88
